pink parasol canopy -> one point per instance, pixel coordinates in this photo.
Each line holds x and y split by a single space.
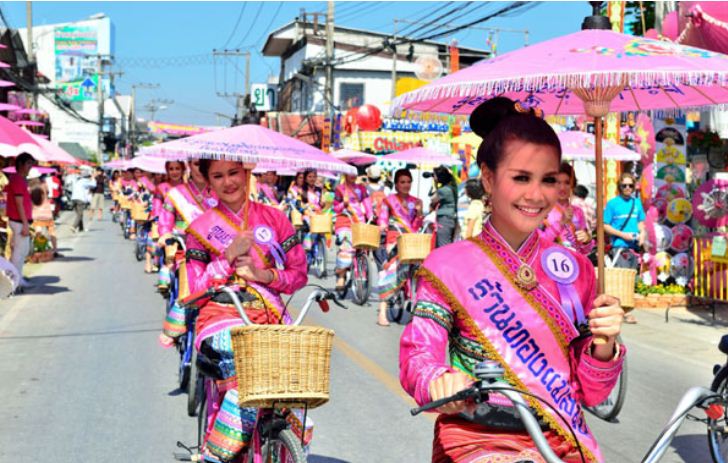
6 83
8 107
421 157
28 110
250 144
34 170
117 164
579 146
51 152
652 75
149 164
14 140
357 158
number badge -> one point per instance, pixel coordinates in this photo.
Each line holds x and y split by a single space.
560 265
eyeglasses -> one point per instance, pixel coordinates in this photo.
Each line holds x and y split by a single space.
626 185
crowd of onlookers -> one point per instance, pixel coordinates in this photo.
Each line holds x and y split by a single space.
31 200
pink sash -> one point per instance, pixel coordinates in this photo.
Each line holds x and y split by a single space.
268 193
187 206
356 207
148 184
527 332
402 215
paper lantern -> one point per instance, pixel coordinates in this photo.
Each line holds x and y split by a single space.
681 268
664 265
368 117
662 240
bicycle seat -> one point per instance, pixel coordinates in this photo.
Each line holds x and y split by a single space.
224 298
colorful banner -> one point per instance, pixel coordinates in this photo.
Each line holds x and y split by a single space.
76 49
385 142
177 129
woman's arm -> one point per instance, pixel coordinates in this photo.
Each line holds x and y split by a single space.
293 276
202 266
423 347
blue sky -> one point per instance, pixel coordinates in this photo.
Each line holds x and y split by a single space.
155 30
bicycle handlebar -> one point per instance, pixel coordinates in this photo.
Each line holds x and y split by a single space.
479 391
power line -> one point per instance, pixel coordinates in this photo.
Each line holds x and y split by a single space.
164 61
355 13
237 23
252 24
275 15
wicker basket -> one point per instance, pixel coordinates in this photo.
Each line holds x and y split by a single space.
365 236
124 202
321 223
413 247
296 218
281 365
619 282
170 251
139 212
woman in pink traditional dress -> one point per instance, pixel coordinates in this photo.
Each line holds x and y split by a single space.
567 224
145 192
175 176
350 207
293 194
182 205
399 213
267 190
254 247
308 203
513 297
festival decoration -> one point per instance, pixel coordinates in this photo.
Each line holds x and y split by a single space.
681 268
368 117
682 237
710 203
679 210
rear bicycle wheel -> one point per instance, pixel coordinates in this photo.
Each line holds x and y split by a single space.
285 448
195 386
612 405
360 283
319 258
717 433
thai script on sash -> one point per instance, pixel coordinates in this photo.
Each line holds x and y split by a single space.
217 233
488 294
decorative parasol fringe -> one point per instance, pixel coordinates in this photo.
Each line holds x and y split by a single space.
554 83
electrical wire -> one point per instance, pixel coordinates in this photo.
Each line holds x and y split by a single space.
252 24
273 18
235 28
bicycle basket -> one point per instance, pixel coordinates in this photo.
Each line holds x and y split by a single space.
124 202
619 282
139 212
321 223
296 218
282 365
364 236
413 247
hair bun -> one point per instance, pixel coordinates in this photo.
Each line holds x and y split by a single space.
488 114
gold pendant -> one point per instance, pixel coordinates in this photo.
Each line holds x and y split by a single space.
526 277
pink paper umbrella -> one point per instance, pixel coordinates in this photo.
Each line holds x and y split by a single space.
36 169
117 164
28 111
4 65
6 83
149 164
421 157
579 146
589 72
14 140
8 107
355 157
250 144
54 153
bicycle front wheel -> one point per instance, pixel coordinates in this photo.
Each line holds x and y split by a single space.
361 282
319 263
717 434
610 408
286 448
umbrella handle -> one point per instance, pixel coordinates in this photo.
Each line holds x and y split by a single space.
599 340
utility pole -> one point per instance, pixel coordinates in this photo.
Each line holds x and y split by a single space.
132 114
31 54
394 61
100 97
329 88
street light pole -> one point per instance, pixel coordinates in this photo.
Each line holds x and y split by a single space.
132 114
31 54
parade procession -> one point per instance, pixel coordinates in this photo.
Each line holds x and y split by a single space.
349 232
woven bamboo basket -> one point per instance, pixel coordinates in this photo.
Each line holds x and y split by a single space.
296 218
124 202
413 247
139 212
170 251
619 282
282 365
364 236
321 223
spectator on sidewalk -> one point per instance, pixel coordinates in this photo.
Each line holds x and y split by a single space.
81 197
20 212
54 187
97 198
587 205
43 212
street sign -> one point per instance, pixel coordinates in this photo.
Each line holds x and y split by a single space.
264 97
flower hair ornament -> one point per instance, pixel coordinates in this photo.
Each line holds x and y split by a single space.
520 108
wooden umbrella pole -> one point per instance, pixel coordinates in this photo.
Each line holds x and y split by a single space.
600 202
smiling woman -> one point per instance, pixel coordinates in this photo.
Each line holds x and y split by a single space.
514 297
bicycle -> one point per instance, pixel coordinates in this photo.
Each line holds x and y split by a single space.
273 440
142 236
717 431
316 256
357 276
489 376
402 305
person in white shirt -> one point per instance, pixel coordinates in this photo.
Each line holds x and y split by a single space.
81 197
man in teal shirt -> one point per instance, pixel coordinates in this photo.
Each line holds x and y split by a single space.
624 218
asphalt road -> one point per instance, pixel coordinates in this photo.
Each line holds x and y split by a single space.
82 377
